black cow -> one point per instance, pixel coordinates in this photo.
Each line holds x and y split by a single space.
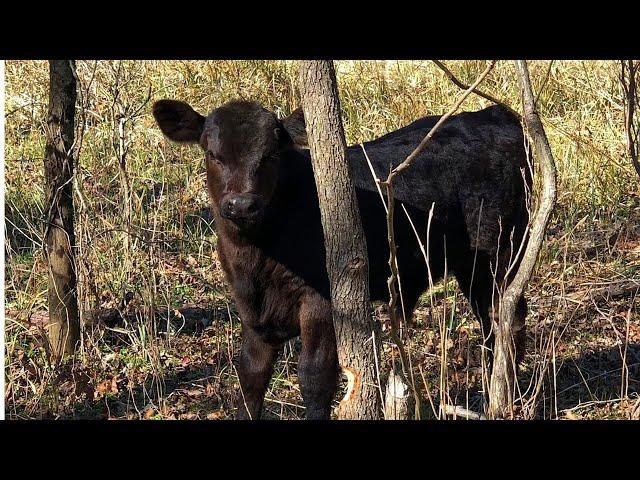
473 175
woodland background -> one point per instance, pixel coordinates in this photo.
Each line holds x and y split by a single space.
160 330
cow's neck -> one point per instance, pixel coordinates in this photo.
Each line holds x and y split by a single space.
230 237
241 261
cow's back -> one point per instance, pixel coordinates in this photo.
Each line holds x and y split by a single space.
469 146
470 169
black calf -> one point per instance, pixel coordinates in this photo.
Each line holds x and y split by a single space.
472 176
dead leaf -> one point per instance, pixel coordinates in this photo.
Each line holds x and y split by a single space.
209 390
148 413
109 386
194 392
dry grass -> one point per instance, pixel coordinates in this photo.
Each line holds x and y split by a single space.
164 361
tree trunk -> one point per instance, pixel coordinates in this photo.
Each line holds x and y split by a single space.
631 101
64 325
346 250
503 376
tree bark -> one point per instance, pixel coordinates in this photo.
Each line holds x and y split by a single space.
346 250
503 376
64 325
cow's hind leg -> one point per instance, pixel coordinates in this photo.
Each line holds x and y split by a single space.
519 329
479 286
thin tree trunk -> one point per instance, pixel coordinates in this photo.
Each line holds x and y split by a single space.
631 102
346 250
126 191
64 325
503 376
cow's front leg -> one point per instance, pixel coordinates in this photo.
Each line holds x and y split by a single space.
318 363
255 369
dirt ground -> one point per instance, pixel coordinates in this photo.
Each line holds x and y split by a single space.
583 322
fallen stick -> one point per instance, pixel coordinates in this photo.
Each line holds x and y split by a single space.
622 288
458 411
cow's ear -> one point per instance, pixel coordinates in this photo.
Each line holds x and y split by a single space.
296 128
178 121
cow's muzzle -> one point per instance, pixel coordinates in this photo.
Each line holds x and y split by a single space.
244 209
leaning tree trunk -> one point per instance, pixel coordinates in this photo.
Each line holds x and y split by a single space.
503 376
64 325
346 249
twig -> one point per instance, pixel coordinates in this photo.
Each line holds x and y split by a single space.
544 83
478 92
407 162
622 288
393 266
458 411
503 372
591 403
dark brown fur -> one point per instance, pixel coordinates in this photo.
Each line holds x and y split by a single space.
270 242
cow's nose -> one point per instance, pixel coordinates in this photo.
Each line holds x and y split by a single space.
240 206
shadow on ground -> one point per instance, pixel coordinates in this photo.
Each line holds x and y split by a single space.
200 381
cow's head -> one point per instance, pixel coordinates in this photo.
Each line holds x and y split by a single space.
243 143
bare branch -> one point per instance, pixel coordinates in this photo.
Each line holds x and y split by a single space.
501 388
478 92
407 162
458 411
547 164
394 279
